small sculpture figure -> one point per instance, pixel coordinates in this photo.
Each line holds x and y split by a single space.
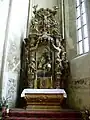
55 10
46 37
63 56
31 66
57 47
59 64
35 8
45 61
34 47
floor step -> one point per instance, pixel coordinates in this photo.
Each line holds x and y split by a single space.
22 118
45 114
17 114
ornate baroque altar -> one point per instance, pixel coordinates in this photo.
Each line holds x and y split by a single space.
45 62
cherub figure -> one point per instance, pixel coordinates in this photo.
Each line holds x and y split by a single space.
46 37
31 66
59 63
34 47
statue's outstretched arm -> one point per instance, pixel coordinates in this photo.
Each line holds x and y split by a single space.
56 48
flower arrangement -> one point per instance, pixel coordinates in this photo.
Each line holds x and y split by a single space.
3 103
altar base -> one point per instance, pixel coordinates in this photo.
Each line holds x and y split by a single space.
44 99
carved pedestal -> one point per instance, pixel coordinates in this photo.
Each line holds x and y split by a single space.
44 99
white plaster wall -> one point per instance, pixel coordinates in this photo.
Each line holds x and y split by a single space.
4 5
70 28
11 88
80 67
45 3
79 84
16 32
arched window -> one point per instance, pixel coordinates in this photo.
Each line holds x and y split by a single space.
82 33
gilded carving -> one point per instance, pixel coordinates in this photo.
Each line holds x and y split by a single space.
45 50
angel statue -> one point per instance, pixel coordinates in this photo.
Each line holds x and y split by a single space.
57 47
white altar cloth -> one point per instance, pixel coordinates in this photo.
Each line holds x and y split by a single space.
44 91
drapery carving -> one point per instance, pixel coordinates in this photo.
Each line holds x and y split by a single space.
45 56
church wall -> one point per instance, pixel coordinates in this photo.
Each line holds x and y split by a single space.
3 21
16 32
45 3
79 81
70 28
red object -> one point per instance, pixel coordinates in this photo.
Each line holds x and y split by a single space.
21 114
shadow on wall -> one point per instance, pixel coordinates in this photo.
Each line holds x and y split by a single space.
70 91
68 77
22 84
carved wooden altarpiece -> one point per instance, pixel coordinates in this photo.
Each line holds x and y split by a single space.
45 56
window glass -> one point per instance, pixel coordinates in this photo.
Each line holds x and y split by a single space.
78 12
85 31
79 35
82 31
79 22
80 48
82 0
77 2
86 45
83 7
84 18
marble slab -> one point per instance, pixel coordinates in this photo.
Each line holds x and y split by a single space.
44 91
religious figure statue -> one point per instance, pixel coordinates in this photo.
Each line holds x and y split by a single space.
57 47
44 62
